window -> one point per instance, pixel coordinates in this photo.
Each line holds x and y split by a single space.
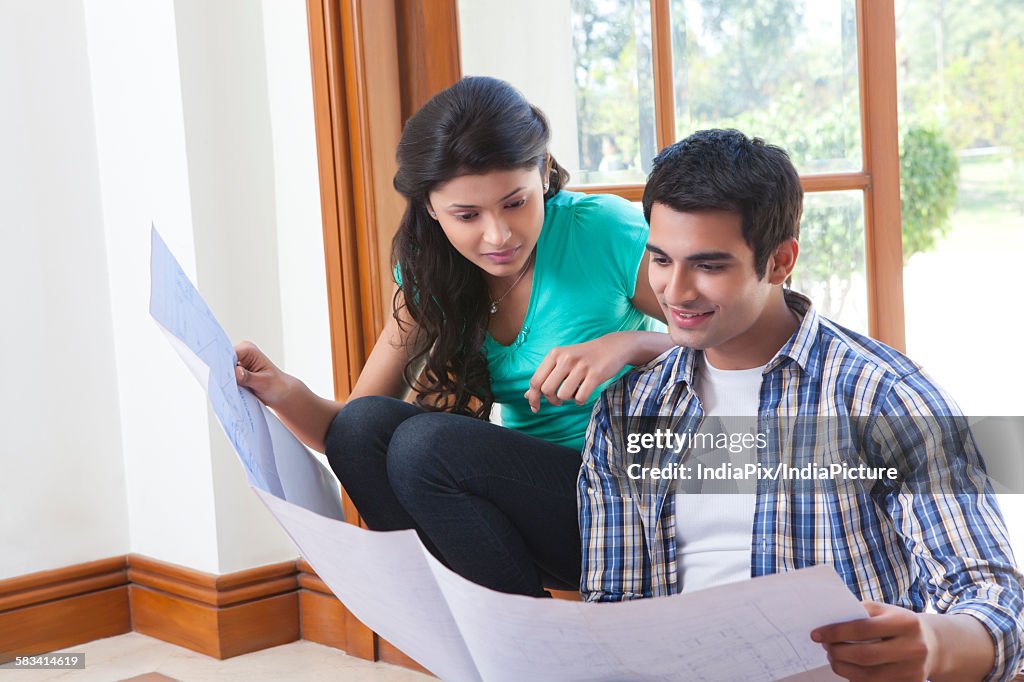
962 130
620 79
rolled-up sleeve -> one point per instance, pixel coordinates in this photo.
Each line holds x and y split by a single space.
948 516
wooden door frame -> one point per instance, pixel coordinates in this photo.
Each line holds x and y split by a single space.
363 90
373 62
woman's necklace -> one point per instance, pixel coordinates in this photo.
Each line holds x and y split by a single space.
526 268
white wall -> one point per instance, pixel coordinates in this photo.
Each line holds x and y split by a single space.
141 139
62 491
136 111
300 247
529 44
231 179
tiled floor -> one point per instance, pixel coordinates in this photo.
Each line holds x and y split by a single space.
135 656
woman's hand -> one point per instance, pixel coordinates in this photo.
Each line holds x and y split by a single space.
257 373
573 372
303 412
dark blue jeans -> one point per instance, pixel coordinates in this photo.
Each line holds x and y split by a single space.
497 506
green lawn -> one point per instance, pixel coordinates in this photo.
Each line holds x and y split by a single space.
989 210
961 298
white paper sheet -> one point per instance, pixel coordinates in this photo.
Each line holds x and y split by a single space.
385 581
273 459
751 630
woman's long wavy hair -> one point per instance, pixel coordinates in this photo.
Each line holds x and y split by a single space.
476 126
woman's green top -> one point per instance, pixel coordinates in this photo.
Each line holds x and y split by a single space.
588 255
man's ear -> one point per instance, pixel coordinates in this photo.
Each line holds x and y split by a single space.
782 261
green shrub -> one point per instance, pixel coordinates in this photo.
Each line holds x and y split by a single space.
929 171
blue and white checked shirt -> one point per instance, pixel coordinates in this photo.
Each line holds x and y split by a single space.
899 547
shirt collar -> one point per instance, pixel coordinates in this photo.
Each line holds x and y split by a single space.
680 370
800 348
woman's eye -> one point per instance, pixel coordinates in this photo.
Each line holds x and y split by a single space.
516 204
465 217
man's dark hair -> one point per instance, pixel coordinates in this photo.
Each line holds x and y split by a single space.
726 170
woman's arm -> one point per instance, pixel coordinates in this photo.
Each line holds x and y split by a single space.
308 415
573 372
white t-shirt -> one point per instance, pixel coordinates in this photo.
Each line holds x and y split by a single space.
714 527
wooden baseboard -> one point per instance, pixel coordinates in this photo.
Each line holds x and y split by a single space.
389 653
52 610
325 620
219 616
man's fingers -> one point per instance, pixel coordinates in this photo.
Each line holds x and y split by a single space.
875 608
863 630
860 673
867 654
849 671
854 631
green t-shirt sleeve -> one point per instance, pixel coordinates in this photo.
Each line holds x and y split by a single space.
616 237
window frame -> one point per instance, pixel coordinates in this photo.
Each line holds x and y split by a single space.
878 179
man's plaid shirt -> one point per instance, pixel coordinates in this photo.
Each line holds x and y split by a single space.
899 548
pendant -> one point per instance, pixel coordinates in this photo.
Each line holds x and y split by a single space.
494 307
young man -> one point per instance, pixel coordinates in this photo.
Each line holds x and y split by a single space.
724 212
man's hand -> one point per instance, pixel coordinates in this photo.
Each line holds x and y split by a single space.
893 643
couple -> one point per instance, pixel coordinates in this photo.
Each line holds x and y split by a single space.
511 290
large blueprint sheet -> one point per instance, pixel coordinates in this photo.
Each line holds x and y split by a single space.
752 630
273 459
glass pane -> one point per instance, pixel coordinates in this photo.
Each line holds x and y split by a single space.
831 268
962 180
614 90
586 64
784 70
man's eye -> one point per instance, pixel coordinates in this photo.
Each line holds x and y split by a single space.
660 260
516 204
710 267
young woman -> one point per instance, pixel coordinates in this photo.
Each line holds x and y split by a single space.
510 290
